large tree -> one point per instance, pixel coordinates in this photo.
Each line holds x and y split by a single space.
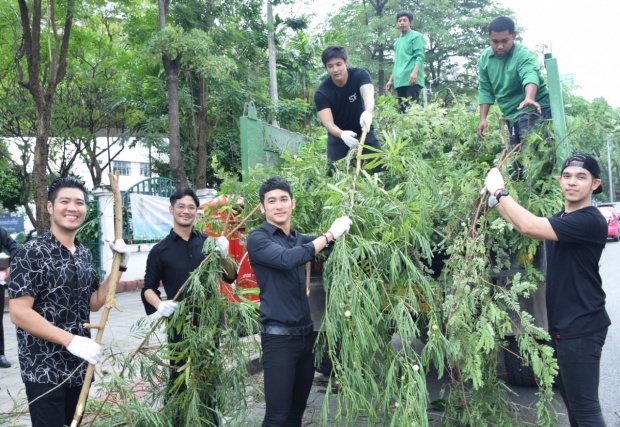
46 67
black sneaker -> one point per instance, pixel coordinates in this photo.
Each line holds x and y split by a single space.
3 362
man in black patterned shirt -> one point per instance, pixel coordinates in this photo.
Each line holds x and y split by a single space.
54 286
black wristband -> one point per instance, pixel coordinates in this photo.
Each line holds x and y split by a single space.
122 269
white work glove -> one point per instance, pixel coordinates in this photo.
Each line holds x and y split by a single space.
86 349
492 201
366 119
166 308
349 138
340 226
493 182
122 249
221 245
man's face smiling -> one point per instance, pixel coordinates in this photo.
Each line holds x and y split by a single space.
68 211
577 184
404 24
184 211
277 207
502 42
337 69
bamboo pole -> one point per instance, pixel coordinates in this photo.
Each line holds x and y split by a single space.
115 276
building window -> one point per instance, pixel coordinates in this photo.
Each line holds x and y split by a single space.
144 169
123 168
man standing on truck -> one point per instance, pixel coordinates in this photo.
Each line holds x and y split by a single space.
509 73
345 101
575 239
408 74
278 254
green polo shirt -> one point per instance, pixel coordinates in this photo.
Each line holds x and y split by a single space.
503 80
408 51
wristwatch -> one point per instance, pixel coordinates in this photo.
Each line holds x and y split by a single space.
501 193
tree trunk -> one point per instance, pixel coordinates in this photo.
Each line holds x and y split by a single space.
172 67
172 81
201 135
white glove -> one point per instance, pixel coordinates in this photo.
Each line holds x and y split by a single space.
222 246
366 119
493 182
121 248
166 308
340 226
349 138
86 349
492 201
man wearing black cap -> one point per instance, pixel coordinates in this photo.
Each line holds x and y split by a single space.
575 239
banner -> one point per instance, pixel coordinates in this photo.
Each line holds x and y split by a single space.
150 217
12 224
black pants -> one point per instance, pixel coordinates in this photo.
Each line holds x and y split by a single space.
525 124
338 150
1 318
56 408
579 361
288 363
406 95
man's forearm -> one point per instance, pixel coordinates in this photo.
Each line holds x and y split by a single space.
531 90
151 297
24 317
368 95
484 111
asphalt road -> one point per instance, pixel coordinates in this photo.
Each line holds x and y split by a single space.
609 389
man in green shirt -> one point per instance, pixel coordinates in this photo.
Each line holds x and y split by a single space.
509 73
408 74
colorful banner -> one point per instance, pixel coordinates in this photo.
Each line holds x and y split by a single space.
150 217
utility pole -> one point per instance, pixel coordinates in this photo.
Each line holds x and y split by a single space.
271 45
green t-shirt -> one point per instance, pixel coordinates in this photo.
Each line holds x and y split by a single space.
503 80
408 51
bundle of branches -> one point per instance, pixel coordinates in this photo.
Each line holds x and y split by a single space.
379 283
210 381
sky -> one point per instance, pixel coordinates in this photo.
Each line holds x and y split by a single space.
581 36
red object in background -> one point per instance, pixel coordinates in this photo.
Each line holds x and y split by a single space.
236 249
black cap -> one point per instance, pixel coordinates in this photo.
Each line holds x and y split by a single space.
589 163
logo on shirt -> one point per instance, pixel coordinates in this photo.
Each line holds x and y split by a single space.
353 97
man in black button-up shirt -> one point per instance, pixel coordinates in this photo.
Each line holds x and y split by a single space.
277 255
54 287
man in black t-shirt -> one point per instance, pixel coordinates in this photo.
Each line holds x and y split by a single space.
345 101
575 239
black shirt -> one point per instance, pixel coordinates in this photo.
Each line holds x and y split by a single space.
278 262
575 296
7 243
61 284
171 261
346 102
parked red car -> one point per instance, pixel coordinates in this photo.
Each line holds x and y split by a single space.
611 215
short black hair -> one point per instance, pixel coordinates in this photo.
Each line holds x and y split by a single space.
502 23
333 52
404 13
182 192
275 183
65 182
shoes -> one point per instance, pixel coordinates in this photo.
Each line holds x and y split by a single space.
3 362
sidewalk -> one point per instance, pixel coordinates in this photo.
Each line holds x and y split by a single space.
117 335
